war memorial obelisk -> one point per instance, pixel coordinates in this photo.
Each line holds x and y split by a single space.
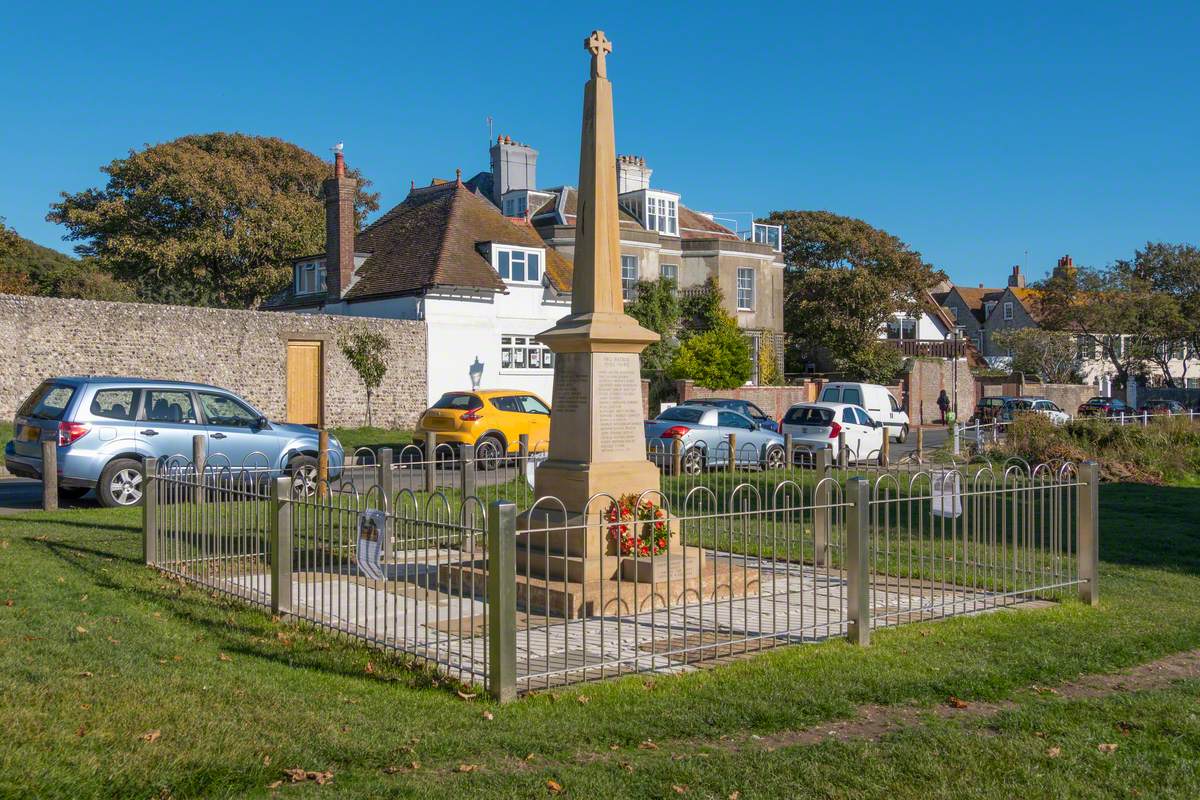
597 439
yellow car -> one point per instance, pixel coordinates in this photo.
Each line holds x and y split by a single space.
492 420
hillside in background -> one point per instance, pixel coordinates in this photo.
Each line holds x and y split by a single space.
29 268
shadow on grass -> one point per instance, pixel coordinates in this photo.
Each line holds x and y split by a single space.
251 631
1150 526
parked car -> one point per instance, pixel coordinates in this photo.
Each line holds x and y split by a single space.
1033 405
1163 407
878 402
987 409
818 426
1104 407
744 407
106 428
491 420
704 433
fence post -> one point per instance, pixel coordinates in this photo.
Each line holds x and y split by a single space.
1089 532
676 456
502 600
733 452
858 575
885 449
150 511
50 474
821 509
322 463
787 449
954 435
281 547
920 445
198 452
843 456
430 462
385 478
522 453
467 476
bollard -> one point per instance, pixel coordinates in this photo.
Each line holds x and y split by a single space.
788 451
150 511
50 474
954 435
198 453
1088 513
920 445
822 513
522 453
885 449
733 452
281 547
502 600
322 463
843 456
467 482
676 456
858 575
385 479
430 462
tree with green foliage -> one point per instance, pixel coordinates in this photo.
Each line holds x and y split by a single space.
367 351
28 268
12 280
844 280
206 219
1050 356
768 361
713 352
1174 270
656 307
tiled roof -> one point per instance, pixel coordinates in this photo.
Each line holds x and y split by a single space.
693 225
1030 300
432 238
975 297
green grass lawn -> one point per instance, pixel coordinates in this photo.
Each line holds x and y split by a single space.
97 653
374 438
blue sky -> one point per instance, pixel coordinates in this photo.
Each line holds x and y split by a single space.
975 132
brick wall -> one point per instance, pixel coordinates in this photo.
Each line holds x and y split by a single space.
773 400
243 351
926 379
1067 396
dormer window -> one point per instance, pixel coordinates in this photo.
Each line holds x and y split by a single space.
662 215
770 235
310 277
518 264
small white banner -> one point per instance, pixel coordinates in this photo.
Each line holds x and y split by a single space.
372 526
947 494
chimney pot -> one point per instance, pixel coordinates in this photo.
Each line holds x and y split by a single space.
339 165
458 175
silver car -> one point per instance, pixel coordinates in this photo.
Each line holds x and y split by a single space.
106 428
704 434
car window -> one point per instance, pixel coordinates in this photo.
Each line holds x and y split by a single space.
832 394
459 401
892 400
852 396
1052 406
848 416
220 409
165 405
807 415
506 404
754 412
48 401
731 419
864 418
115 403
682 414
531 405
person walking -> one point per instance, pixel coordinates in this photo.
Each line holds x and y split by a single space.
943 403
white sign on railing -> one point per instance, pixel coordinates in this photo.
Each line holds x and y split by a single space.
371 527
947 494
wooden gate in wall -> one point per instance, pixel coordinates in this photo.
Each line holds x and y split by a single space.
304 385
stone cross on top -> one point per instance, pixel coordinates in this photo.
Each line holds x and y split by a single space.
598 45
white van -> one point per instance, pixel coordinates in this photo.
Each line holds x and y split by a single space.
878 402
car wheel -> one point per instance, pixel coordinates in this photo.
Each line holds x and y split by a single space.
488 452
303 472
693 461
902 437
776 459
120 483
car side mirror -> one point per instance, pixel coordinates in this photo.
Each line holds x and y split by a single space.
260 423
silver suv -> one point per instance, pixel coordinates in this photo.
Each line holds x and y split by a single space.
106 427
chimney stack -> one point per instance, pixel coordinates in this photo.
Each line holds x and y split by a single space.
632 174
1016 280
514 166
1066 261
339 227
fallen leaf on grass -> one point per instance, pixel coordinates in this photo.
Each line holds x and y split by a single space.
647 745
489 716
467 767
151 736
614 747
9 602
582 699
274 784
1045 690
80 731
266 760
370 668
1106 747
300 775
85 706
1054 752
85 674
554 786
530 756
955 702
223 657
391 770
679 789
625 765
735 795
80 629
415 765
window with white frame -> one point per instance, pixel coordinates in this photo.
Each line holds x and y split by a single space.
629 276
516 206
770 235
1008 309
517 265
745 288
662 215
522 352
669 271
310 277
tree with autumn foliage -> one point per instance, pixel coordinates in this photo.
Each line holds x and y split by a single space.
844 280
205 219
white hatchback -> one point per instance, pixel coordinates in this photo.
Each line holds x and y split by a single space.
818 426
879 403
